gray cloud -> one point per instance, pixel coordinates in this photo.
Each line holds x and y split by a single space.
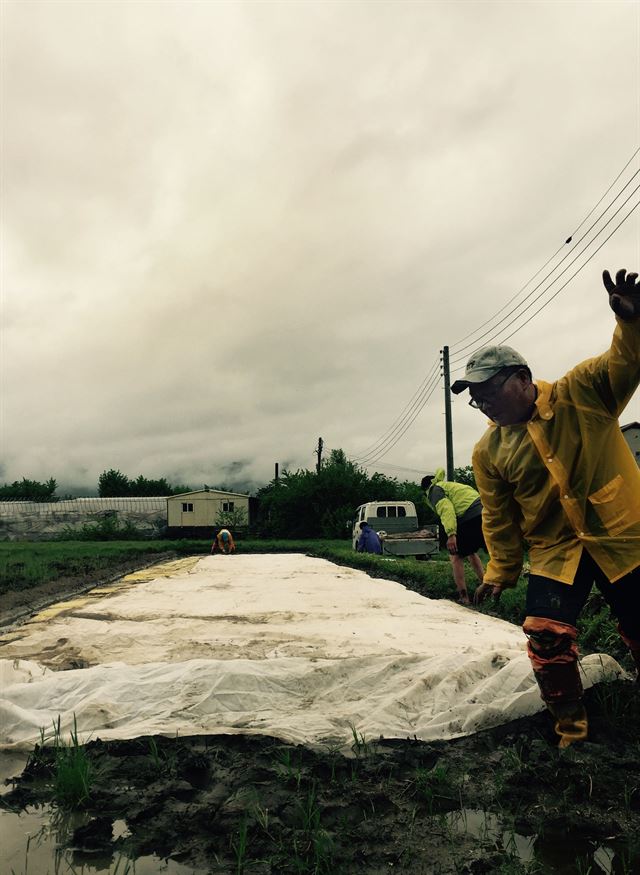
232 228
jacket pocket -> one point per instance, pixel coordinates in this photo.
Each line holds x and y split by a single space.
617 506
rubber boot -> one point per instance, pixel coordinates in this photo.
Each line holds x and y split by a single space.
571 722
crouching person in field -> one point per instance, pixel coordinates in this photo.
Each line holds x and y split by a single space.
368 542
223 542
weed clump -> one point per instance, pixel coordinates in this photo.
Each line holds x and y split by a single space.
64 766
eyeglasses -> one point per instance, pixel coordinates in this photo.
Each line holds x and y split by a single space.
479 402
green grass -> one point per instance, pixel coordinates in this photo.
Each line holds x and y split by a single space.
66 763
24 565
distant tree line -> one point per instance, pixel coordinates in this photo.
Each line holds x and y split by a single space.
115 484
307 504
29 490
111 484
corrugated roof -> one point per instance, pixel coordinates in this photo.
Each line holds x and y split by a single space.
209 492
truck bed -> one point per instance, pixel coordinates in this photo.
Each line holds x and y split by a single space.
424 542
406 536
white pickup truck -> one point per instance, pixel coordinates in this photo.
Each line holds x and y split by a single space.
396 523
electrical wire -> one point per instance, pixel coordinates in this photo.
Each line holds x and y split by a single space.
455 360
383 447
564 285
417 407
415 397
384 450
556 293
549 260
573 248
422 395
381 464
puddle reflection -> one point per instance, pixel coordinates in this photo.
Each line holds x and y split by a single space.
563 855
30 844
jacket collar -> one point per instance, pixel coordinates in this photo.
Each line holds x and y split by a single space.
543 402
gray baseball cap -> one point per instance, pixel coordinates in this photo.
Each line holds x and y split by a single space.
486 363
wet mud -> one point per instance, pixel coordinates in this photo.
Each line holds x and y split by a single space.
502 801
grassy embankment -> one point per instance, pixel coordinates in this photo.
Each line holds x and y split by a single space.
26 565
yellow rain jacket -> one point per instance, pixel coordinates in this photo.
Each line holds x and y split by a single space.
450 500
566 480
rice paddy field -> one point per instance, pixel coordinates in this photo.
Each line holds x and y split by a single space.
504 800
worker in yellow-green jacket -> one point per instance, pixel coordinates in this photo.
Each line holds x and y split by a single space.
460 511
556 475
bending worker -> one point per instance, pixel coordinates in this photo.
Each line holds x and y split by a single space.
555 472
368 542
460 511
223 542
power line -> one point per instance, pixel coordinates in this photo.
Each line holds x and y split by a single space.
573 248
395 467
556 293
422 395
549 260
555 280
383 446
407 409
384 450
594 208
381 464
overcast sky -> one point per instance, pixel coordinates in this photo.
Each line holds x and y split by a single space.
231 228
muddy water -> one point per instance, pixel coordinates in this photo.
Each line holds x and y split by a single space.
485 803
558 854
35 842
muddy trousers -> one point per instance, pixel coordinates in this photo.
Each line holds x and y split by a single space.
552 610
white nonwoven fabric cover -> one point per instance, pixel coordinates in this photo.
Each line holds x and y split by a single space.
279 644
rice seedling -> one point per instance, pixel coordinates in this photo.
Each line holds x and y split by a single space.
361 747
66 766
287 767
434 788
164 762
239 845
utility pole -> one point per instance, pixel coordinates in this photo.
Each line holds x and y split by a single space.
318 452
277 473
447 411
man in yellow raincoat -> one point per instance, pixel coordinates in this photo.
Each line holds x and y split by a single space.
554 472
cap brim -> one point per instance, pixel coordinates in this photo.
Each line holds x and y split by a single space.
476 378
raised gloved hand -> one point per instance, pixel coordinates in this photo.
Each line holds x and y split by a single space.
624 293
